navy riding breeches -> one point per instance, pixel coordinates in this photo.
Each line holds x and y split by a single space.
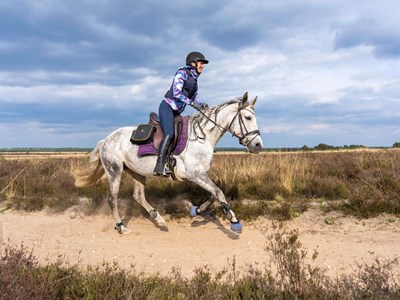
167 115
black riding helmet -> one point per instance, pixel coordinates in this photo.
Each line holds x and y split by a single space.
195 57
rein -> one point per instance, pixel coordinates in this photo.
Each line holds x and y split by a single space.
243 128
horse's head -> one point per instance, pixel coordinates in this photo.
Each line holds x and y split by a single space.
244 125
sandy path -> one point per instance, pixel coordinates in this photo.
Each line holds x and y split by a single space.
194 243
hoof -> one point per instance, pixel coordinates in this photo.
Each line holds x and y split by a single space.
122 229
158 220
193 211
163 228
125 230
237 227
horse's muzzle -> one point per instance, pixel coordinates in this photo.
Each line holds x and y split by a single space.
256 145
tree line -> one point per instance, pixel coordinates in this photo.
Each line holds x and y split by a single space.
319 147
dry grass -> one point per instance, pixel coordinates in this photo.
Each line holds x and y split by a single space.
362 183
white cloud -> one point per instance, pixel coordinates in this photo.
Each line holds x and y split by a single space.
150 85
51 135
321 70
296 128
318 127
277 128
96 94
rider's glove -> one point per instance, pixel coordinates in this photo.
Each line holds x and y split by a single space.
204 106
196 106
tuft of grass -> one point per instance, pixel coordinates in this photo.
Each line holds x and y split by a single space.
330 220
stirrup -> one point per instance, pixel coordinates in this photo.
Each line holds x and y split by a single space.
167 170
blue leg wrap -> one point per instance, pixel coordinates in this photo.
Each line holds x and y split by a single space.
236 226
193 211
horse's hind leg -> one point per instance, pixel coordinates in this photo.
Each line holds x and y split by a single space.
140 198
114 172
138 195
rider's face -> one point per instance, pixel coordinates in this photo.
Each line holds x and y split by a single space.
200 66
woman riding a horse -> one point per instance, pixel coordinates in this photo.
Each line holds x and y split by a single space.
183 91
115 154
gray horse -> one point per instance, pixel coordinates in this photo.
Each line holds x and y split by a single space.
116 154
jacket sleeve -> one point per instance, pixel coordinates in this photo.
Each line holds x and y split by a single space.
177 87
196 98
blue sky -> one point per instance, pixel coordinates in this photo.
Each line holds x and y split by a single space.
324 71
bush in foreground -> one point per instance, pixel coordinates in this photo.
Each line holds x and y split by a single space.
290 277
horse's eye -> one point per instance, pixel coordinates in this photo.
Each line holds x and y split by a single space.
248 118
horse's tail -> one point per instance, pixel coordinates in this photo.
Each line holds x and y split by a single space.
90 173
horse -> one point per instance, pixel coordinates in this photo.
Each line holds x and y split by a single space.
115 154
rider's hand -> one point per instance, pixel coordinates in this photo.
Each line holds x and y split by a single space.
204 106
196 106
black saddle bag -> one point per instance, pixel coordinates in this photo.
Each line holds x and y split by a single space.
143 134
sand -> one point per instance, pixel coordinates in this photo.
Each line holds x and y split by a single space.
194 243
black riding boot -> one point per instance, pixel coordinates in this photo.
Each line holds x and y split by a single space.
162 151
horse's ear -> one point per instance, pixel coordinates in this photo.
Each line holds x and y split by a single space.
253 101
244 98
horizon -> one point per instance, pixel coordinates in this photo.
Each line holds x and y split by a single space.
228 148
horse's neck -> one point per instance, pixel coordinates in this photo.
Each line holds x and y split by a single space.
214 126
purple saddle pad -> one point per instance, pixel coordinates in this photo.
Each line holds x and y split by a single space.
148 149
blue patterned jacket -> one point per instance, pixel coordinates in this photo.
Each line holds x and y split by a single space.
183 89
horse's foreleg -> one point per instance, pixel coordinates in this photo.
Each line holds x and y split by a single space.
206 183
206 205
194 211
138 195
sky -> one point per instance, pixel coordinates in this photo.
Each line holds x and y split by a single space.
327 72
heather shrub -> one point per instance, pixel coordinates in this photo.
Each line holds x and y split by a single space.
362 183
291 275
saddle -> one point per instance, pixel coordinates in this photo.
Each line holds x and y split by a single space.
159 134
148 137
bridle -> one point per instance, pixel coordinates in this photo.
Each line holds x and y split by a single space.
244 133
243 130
